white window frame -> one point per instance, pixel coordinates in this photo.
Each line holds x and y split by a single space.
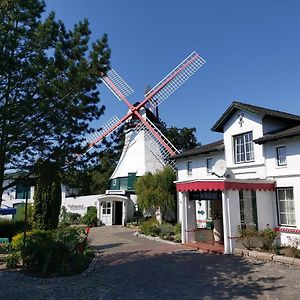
243 148
281 159
106 208
289 207
189 168
209 170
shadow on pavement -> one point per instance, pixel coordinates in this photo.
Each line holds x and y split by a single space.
185 275
106 246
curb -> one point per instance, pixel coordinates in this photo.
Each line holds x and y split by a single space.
155 238
268 257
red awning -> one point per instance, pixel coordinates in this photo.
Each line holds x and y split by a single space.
223 185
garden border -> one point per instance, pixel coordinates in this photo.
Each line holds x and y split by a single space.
269 257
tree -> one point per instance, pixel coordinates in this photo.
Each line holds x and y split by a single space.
96 179
48 86
156 192
182 138
47 195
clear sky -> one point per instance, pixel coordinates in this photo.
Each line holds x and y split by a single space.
252 49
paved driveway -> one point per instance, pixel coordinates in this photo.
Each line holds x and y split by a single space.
136 268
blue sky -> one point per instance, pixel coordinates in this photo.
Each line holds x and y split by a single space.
252 49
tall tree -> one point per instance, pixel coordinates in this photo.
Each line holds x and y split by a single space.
156 192
48 86
47 195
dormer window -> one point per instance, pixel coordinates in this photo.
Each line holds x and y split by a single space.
243 148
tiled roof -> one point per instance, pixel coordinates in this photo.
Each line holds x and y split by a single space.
203 149
290 132
261 111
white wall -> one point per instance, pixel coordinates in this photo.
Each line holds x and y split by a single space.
199 170
80 204
251 122
293 158
265 209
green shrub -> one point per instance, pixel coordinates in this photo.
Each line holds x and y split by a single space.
63 251
68 218
177 238
150 227
5 248
12 260
248 237
74 239
9 228
177 228
167 231
90 218
267 237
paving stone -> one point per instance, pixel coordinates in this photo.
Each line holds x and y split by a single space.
132 267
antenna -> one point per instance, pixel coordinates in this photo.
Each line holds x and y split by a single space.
220 168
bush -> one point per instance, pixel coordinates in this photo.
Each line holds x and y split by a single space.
62 251
177 228
90 218
248 237
9 228
69 218
167 231
150 227
267 237
12 260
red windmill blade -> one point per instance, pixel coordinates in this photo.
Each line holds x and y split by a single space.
154 97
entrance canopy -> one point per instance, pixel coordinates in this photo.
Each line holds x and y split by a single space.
223 185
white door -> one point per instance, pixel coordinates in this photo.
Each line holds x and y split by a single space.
106 213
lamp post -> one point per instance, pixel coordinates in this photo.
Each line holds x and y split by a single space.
136 207
26 212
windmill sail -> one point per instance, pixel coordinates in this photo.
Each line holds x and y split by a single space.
155 146
177 77
117 84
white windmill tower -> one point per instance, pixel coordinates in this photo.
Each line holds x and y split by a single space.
146 149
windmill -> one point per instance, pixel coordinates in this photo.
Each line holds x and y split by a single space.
154 97
142 131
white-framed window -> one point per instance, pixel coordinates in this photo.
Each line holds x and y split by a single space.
209 165
286 206
189 168
281 156
243 148
106 208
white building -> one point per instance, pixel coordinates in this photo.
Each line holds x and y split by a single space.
258 188
140 154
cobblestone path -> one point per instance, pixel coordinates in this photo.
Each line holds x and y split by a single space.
133 267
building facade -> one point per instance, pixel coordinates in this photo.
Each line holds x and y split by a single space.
248 179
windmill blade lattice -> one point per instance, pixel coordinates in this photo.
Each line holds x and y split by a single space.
177 77
117 85
96 137
159 151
